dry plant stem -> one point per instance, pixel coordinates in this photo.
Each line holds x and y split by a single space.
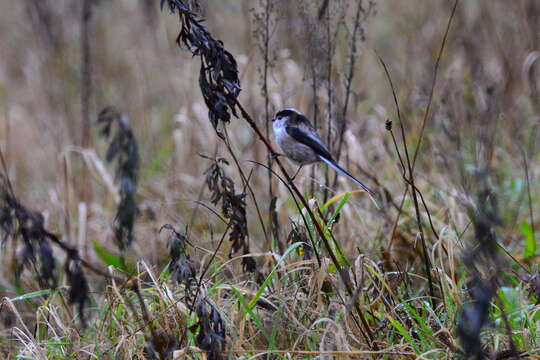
52 237
329 56
314 87
400 208
5 171
245 179
384 189
299 208
404 174
86 89
355 295
199 283
512 257
7 130
424 121
195 211
67 217
145 315
218 215
410 181
67 248
348 81
411 166
86 76
265 48
433 83
198 202
366 332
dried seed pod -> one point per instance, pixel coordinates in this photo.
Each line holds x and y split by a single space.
181 267
16 221
218 78
124 150
211 335
233 207
78 291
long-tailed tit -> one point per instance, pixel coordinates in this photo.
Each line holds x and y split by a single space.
299 141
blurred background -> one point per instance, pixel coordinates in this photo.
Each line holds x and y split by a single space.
318 56
475 159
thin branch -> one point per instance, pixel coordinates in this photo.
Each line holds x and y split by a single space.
410 181
433 83
424 122
368 335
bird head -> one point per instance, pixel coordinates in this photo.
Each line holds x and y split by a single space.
286 117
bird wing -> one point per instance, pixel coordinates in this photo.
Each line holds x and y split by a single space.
313 142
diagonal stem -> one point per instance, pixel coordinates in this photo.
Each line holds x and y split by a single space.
368 335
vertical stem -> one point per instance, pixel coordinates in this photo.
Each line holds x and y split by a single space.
86 63
265 76
7 132
349 78
410 166
315 114
86 88
67 218
353 49
329 94
364 326
410 181
274 224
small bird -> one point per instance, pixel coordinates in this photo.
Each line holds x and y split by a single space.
299 141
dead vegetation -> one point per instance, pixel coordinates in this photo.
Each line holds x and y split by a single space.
178 233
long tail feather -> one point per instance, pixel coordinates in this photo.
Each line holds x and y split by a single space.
342 171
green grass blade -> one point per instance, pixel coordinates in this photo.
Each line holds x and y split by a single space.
254 316
271 275
340 206
33 295
397 325
530 241
112 259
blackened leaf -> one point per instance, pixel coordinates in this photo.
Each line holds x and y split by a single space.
218 78
78 292
123 150
181 266
47 273
211 335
